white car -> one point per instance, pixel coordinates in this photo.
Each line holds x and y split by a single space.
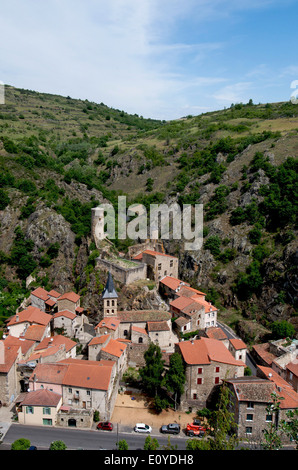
141 427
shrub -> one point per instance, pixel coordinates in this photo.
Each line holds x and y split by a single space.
20 444
57 445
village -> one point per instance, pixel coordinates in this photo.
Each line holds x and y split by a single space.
48 380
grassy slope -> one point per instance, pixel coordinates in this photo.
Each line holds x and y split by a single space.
78 142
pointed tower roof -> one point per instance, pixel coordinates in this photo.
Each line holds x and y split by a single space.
109 291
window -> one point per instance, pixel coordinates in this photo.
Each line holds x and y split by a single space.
195 396
88 392
70 390
217 369
113 303
199 381
46 410
249 417
159 267
200 370
29 410
248 430
268 418
140 340
171 263
250 404
47 422
216 380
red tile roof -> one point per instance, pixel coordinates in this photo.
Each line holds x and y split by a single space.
99 340
216 333
158 326
283 389
72 296
65 313
111 323
56 340
75 373
41 397
11 353
172 282
54 293
34 332
139 330
115 348
205 350
238 343
31 315
181 302
41 293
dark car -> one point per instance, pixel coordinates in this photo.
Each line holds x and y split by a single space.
105 425
172 428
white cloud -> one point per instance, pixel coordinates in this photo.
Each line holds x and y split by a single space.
144 56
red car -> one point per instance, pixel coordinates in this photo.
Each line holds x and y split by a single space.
105 425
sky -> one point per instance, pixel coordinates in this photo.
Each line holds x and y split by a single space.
160 59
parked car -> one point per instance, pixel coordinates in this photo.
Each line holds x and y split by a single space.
172 428
141 427
105 425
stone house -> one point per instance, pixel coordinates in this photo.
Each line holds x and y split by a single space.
58 340
10 355
39 297
84 385
139 335
169 285
69 301
292 374
158 264
250 398
190 304
115 350
18 324
238 349
64 320
276 354
39 408
158 332
207 362
95 346
217 333
35 333
108 325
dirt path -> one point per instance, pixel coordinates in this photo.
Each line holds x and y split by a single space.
132 409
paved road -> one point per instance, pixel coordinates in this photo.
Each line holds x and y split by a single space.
82 439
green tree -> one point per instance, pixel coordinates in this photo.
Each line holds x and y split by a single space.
122 445
290 426
175 377
282 329
58 445
272 435
151 443
221 423
152 373
20 444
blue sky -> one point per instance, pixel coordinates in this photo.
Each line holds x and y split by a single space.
160 59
